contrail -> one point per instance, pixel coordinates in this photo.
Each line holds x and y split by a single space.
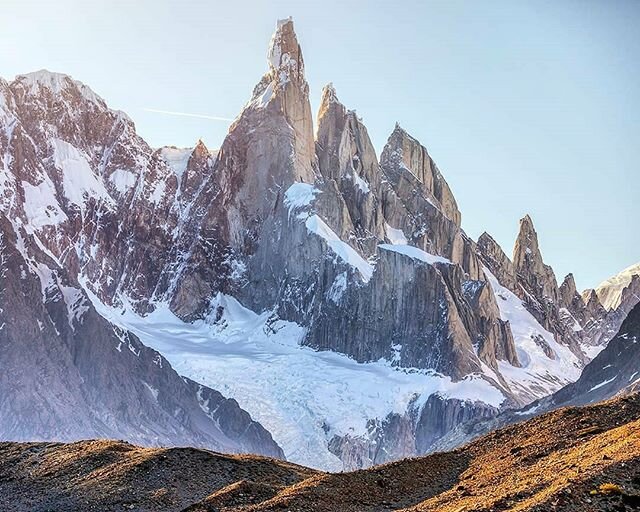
185 114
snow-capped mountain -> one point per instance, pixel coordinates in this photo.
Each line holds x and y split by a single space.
332 293
611 292
67 165
614 371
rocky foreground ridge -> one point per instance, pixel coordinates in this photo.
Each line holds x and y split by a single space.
574 459
282 247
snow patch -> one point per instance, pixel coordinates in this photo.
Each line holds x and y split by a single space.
154 392
41 207
540 375
299 195
123 180
78 180
264 98
360 183
158 192
591 351
177 159
338 287
604 383
342 249
395 236
76 304
415 253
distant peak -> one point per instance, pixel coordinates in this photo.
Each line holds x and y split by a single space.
527 230
200 149
329 94
485 237
328 100
590 296
526 246
43 75
45 78
569 284
283 22
399 134
526 220
56 83
284 55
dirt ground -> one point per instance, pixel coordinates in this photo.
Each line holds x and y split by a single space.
577 459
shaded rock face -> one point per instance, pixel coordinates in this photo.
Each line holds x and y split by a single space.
411 434
404 153
440 416
615 370
386 318
497 261
67 373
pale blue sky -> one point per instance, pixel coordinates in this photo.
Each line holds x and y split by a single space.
527 107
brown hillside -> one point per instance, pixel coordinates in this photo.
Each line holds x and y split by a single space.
577 459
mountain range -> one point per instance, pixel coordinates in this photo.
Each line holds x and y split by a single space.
291 294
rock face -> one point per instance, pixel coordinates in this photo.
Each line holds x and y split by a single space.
534 275
349 163
283 231
497 261
411 434
405 154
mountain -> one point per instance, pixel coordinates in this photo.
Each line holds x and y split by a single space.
615 370
331 292
66 372
578 321
573 459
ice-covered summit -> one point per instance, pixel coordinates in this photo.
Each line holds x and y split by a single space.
610 291
56 83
